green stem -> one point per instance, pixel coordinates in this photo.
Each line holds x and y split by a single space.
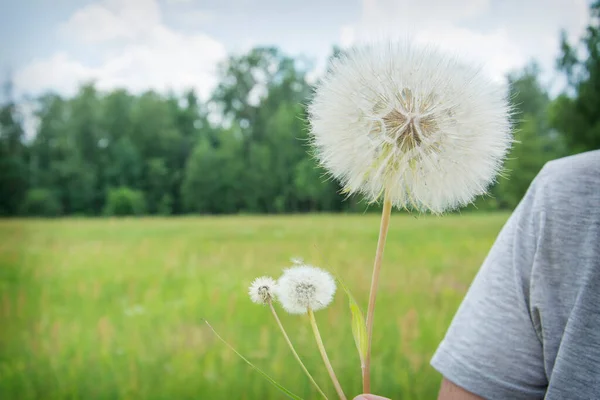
383 230
289 342
321 346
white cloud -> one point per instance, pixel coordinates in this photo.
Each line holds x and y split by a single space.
347 35
535 26
59 72
138 52
127 43
195 18
422 12
499 36
493 51
113 19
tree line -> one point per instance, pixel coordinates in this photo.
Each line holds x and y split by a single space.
245 148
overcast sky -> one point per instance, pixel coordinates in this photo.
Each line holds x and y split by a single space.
176 44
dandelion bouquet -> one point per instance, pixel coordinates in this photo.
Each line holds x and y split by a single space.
410 127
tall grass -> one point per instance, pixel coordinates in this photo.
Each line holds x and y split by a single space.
112 308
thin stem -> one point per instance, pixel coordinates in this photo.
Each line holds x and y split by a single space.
336 383
383 230
289 342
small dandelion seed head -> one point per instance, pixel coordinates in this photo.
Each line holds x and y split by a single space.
304 286
412 122
262 290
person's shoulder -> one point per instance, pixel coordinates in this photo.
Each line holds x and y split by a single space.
573 180
572 168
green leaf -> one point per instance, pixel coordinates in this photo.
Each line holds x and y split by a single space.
264 374
359 327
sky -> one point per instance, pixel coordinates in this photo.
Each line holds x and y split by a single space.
178 44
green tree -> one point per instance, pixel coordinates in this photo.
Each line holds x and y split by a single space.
125 165
124 201
57 152
156 137
575 112
315 192
245 150
535 142
50 143
13 160
157 186
261 95
85 165
41 203
213 177
121 162
192 124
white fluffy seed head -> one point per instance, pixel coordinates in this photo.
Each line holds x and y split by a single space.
303 286
411 121
262 290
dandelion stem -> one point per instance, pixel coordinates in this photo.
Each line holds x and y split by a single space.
336 383
289 342
383 230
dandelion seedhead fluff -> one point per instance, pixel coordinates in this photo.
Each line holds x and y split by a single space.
262 290
412 122
304 286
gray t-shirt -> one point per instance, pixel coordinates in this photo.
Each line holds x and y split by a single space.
529 326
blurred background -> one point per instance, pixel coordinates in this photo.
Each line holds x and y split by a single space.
196 109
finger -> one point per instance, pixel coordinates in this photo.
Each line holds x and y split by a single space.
370 397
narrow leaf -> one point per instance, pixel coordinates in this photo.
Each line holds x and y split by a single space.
359 327
264 374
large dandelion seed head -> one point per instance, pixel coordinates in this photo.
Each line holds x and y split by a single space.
414 122
304 286
262 290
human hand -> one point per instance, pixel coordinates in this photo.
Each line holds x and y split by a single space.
370 397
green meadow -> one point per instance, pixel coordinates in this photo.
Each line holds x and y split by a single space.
114 308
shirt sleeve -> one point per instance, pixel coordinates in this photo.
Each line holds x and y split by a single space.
492 348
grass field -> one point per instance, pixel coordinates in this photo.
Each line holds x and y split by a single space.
112 309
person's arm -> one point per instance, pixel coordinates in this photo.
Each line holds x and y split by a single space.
450 391
492 348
